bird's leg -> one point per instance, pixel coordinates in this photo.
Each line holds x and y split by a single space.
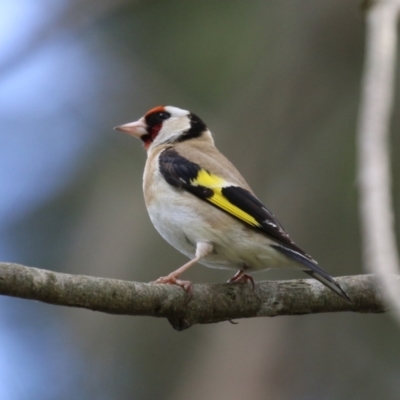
241 276
203 249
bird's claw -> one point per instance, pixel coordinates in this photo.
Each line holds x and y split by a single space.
240 276
187 286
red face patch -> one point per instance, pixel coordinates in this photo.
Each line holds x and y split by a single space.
155 110
153 132
154 121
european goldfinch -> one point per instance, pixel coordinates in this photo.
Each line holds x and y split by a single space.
202 206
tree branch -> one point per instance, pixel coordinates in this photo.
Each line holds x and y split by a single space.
374 177
210 302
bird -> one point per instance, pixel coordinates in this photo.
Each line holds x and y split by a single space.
201 205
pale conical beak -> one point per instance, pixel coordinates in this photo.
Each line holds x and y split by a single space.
137 128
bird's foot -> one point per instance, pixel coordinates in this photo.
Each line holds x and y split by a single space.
172 279
240 276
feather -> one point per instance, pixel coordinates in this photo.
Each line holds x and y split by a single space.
240 204
234 200
315 271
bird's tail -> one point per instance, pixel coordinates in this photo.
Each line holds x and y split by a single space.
314 270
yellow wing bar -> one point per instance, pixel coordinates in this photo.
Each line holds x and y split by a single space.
216 184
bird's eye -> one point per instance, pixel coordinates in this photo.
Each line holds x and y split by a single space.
156 118
162 115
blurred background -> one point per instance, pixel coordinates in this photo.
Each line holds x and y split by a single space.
278 83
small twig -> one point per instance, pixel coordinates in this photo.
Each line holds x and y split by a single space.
210 302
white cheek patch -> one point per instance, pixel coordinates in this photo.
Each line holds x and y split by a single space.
172 128
174 124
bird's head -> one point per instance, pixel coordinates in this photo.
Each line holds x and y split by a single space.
166 124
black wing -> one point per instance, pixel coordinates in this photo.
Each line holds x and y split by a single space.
182 173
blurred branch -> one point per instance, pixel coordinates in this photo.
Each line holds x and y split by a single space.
210 302
377 217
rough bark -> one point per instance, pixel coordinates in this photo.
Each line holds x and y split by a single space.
209 302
